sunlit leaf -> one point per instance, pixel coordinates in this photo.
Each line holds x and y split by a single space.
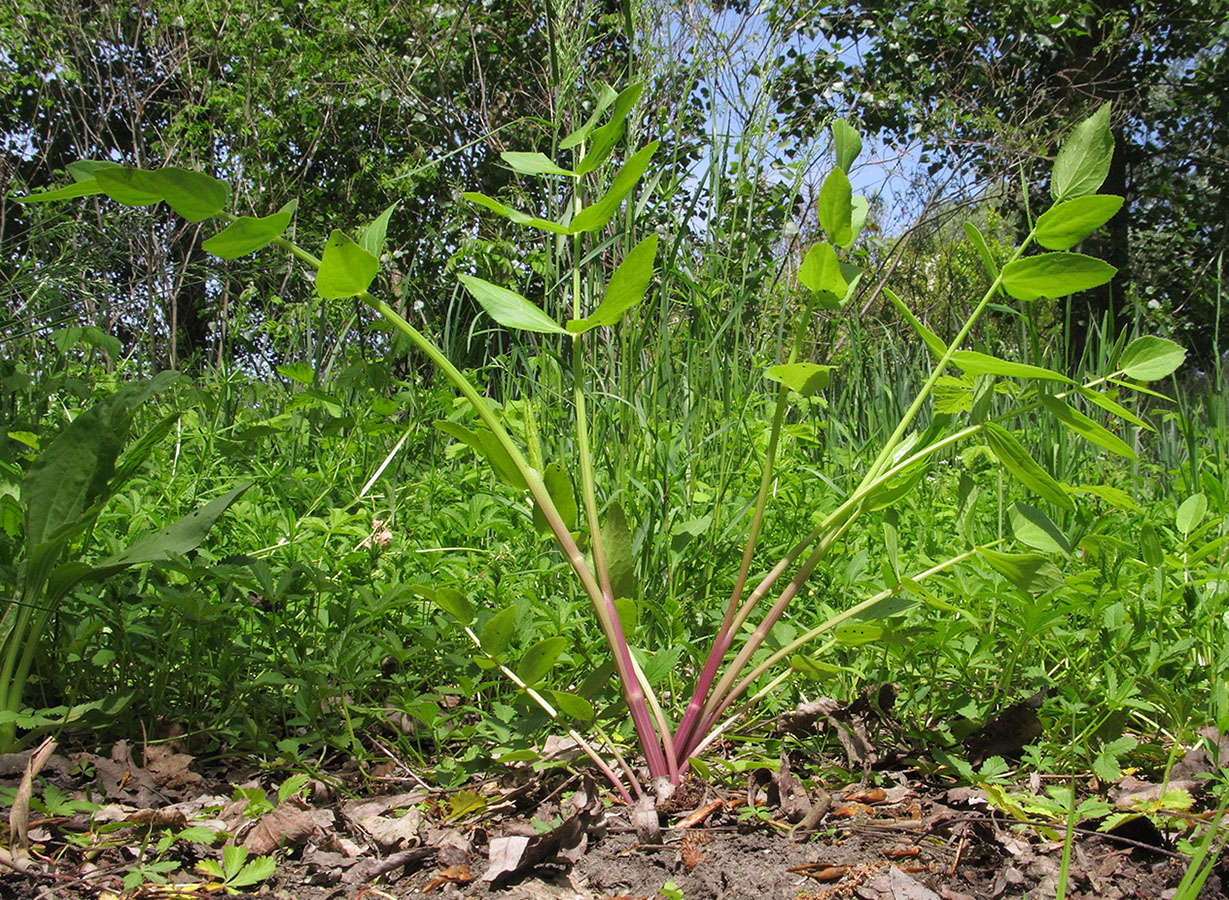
626 289
497 632
131 187
836 207
572 705
193 195
513 215
595 216
821 273
346 269
371 238
539 659
1086 427
247 234
1054 275
846 142
1083 162
1150 358
603 139
1065 224
509 308
1024 468
802 378
1191 513
533 164
976 363
1027 571
933 342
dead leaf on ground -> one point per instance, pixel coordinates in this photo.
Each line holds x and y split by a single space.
287 826
518 854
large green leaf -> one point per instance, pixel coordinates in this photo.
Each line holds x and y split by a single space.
131 187
595 216
1086 427
1033 527
539 659
626 289
346 269
836 207
1054 275
562 494
846 142
533 164
1065 224
509 308
617 543
1083 163
802 378
605 137
822 274
1024 468
1191 513
193 195
1027 571
247 234
1149 358
177 539
981 364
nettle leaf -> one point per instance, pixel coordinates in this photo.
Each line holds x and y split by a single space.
626 289
514 215
1150 358
836 207
193 195
539 659
533 164
131 187
1033 527
821 273
846 142
346 269
1029 572
1086 427
932 341
976 363
1083 163
1024 468
802 378
1065 224
1054 275
248 234
371 238
595 216
509 308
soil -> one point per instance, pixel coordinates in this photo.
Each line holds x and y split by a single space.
530 833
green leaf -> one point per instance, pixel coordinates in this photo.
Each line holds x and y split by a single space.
1086 427
178 538
131 187
606 96
515 216
1083 163
813 668
626 289
846 142
484 442
1065 224
299 372
562 494
1033 527
68 192
497 632
372 237
861 209
629 615
1150 358
1191 513
856 635
509 308
346 269
604 138
983 250
595 216
802 378
572 705
1150 545
617 543
1023 468
533 164
256 871
193 195
1054 275
821 274
539 659
247 234
455 604
836 207
975 363
1113 408
1113 496
933 342
1027 571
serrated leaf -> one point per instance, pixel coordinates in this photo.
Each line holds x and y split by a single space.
1033 527
1024 468
1086 427
1150 358
539 659
802 378
975 363
595 216
846 142
1065 224
626 289
1027 571
1083 162
247 234
254 872
1054 275
836 207
509 308
533 164
346 269
193 195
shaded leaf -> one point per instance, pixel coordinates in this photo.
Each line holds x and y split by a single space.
247 234
513 215
497 632
1086 427
933 342
1033 527
533 164
605 137
1027 571
1024 468
178 538
539 659
821 273
193 195
617 544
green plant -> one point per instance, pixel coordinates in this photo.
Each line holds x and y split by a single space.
236 871
975 405
63 491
